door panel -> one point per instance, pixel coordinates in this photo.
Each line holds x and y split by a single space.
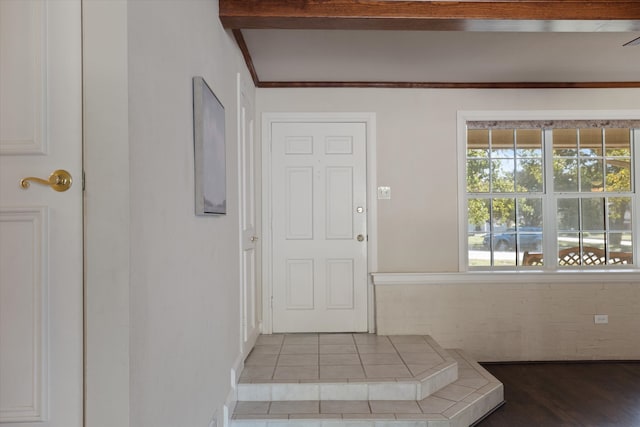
40 229
249 238
319 265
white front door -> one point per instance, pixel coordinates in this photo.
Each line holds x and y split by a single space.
319 227
41 310
248 237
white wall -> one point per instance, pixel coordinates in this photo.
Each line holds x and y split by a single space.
418 227
185 330
106 165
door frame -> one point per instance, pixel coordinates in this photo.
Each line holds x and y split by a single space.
268 119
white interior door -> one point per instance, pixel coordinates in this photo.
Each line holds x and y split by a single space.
41 354
319 227
249 238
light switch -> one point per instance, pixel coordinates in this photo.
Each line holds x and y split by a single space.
384 193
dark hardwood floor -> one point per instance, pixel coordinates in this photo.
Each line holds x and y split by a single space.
567 394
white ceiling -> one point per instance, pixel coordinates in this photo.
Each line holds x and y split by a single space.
444 56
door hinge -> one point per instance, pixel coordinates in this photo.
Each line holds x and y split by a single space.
83 181
272 302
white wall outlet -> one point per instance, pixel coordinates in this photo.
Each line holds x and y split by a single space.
601 319
384 193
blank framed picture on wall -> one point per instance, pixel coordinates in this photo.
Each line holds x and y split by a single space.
209 150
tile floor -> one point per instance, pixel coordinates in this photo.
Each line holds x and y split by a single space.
474 393
338 358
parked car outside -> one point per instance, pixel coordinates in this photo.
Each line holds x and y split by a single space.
530 239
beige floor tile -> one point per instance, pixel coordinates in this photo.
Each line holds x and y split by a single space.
337 348
344 406
376 348
370 339
257 373
346 416
407 339
387 371
266 349
275 339
298 360
454 392
381 359
339 359
313 417
295 372
472 382
301 339
394 406
434 404
261 360
295 407
299 349
336 339
252 408
421 358
342 371
414 348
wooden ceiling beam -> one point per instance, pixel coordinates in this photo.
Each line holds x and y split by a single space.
478 15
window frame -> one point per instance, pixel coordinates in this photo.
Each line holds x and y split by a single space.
550 228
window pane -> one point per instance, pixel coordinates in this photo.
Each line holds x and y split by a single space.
503 215
529 143
479 255
568 240
591 177
565 142
620 248
618 174
529 214
591 142
569 214
565 175
504 257
618 142
529 175
478 176
620 214
478 143
478 214
503 179
593 214
502 143
593 240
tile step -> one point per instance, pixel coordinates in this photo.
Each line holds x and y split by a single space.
458 404
432 368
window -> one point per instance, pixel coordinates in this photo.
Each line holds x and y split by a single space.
534 189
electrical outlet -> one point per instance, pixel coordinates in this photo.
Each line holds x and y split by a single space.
601 319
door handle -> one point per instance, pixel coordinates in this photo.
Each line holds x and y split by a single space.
59 180
254 238
360 238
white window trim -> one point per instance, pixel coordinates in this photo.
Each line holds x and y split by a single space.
465 116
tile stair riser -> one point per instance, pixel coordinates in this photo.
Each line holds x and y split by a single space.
340 423
371 391
432 384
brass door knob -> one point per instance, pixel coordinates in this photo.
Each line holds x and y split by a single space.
59 180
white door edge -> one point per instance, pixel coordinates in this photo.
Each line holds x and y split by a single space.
369 119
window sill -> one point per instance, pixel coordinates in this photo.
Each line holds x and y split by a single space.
498 277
